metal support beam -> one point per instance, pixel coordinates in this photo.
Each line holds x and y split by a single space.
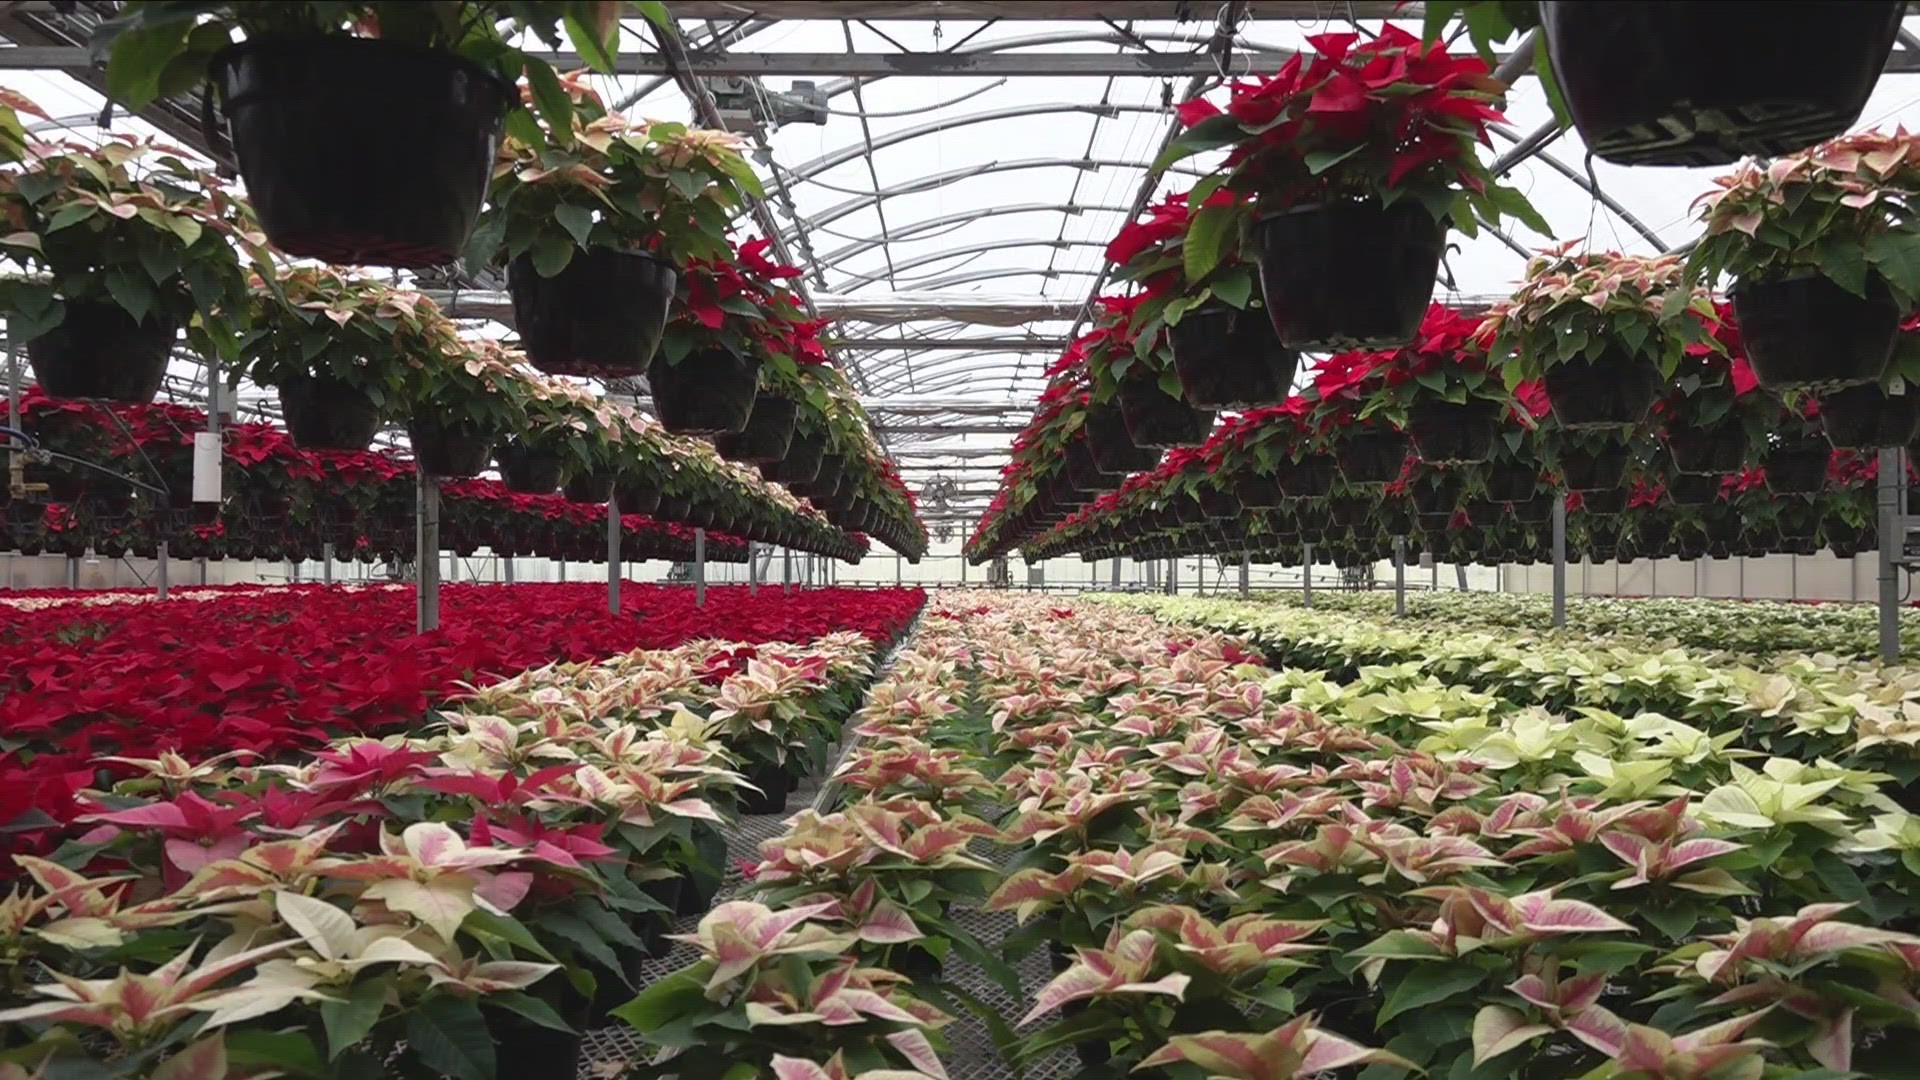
1246 575
1400 577
613 556
786 570
1893 474
1306 574
982 344
1559 560
699 568
753 569
326 562
506 569
160 571
1116 573
426 553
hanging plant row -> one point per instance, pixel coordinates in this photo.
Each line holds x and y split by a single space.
1665 420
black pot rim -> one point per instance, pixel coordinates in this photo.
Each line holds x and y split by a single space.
348 42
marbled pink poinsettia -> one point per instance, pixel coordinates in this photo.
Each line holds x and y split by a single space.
1241 944
1295 1049
1120 968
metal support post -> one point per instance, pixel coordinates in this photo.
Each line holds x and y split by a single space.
1116 573
1400 577
1893 475
899 561
699 568
293 571
963 569
753 569
1306 574
73 571
1460 576
506 569
560 571
326 562
1173 576
426 556
1559 561
613 556
200 568
786 570
160 570
1246 575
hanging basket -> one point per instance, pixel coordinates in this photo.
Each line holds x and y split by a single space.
1370 455
1446 432
1709 451
98 352
1349 275
1483 513
1228 358
1308 478
1677 82
1081 470
1614 391
1257 491
1157 419
710 392
1537 510
1798 467
449 446
527 470
601 316
1436 492
635 494
327 414
1866 417
362 151
768 434
1692 489
802 461
588 487
1511 481
1113 450
1593 467
1610 501
1219 504
1808 332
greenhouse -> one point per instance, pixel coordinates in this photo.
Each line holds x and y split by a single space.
947 540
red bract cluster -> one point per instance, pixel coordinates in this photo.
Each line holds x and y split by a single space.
271 670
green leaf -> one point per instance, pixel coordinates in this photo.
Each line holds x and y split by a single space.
577 220
551 99
1206 236
676 996
596 50
1209 134
449 1035
528 1006
1897 256
551 255
140 56
1320 161
288 1052
348 1021
1428 985
131 291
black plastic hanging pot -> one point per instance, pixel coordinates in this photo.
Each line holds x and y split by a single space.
1536 510
1448 432
1692 489
448 445
1798 467
1866 417
635 494
1714 451
1113 450
710 392
1593 467
1081 470
1257 491
1483 513
1608 501
601 316
1229 358
1511 481
671 509
338 172
1308 478
1155 418
528 470
324 413
588 487
1807 331
768 434
1612 392
1218 504
1676 82
1370 455
1349 275
802 461
1436 492
1349 510
99 352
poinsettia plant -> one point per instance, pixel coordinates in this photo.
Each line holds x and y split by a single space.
1444 363
594 179
133 225
1586 305
318 322
1845 209
157 48
1384 119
